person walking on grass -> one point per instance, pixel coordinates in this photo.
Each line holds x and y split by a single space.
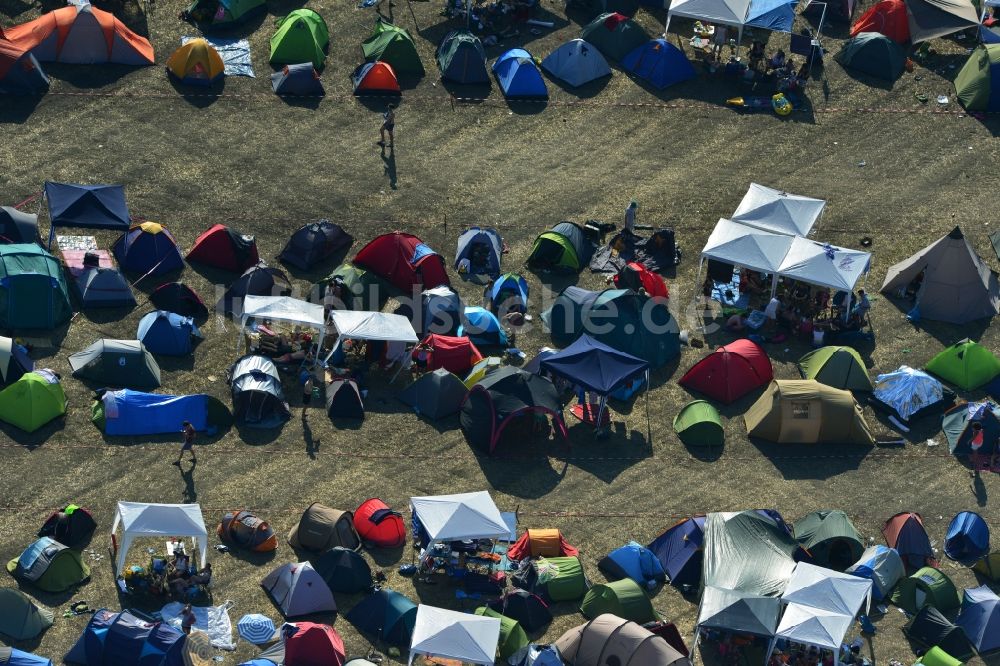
188 433
388 124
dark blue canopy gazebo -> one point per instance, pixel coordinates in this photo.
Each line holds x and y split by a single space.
86 206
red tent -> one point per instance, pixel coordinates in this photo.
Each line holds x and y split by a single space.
730 372
887 17
379 525
456 355
314 645
404 261
905 532
635 275
224 248
375 78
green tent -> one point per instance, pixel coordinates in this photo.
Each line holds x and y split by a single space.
302 36
564 253
927 587
33 400
363 290
561 578
874 54
831 538
33 292
392 44
937 657
49 566
222 14
974 83
512 636
839 367
965 364
614 35
20 618
698 424
623 598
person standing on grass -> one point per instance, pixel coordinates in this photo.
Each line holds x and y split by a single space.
630 212
188 433
388 124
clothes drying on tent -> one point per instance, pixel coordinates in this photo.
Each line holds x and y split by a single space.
440 311
831 539
518 76
20 74
972 428
344 570
343 399
576 62
15 226
699 424
507 293
321 528
121 637
259 280
482 327
839 367
909 394
873 54
540 543
512 635
103 288
179 298
302 36
435 394
659 63
453 354
123 363
20 618
148 248
243 529
462 58
530 610
33 400
803 411
930 629
479 252
608 637
298 590
565 247
883 566
979 619
614 35
313 243
888 17
378 525
33 291
965 364
167 333
967 539
222 14
634 562
83 35
404 261
300 79
393 45
386 616
71 526
196 63
375 78
905 532
128 412
225 248
258 400
730 372
927 587
50 566
14 361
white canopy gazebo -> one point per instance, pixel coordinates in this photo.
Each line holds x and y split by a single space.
824 265
459 517
284 308
138 519
745 246
781 212
445 633
727 12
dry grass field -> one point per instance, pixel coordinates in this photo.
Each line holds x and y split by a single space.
265 166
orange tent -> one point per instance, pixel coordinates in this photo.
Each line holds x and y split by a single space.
375 78
81 34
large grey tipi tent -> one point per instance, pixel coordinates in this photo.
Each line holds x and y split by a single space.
957 285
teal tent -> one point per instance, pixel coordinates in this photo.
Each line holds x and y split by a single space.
33 291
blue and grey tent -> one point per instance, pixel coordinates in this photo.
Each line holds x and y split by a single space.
128 412
462 58
440 311
482 248
300 79
87 206
258 399
635 562
979 618
681 550
482 327
508 293
576 62
881 565
14 657
167 333
385 615
17 227
968 538
775 15
123 638
103 288
518 76
659 63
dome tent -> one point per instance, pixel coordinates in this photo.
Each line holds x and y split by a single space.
482 247
462 59
33 400
927 587
555 579
321 528
301 37
565 247
839 367
224 248
33 290
20 618
196 63
509 293
730 372
614 35
121 637
435 395
831 539
512 636
71 526
883 566
659 63
965 364
930 629
167 333
15 226
243 529
343 399
404 261
222 14
313 243
378 525
179 298
530 611
20 74
518 76
634 562
298 590
118 363
259 280
344 570
49 566
905 532
699 424
258 400
967 539
576 62
393 45
974 84
300 79
386 615
14 361
909 394
103 288
959 425
375 78
623 598
148 248
482 327
888 17
873 54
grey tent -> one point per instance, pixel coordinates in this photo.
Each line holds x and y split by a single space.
435 394
747 551
103 288
258 400
738 612
874 54
119 363
20 618
952 282
440 311
17 227
932 629
935 18
609 639
297 589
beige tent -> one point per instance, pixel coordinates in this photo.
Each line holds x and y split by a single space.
957 287
804 411
321 528
609 639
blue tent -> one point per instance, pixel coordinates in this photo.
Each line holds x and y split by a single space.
635 562
14 657
980 618
660 63
482 247
123 638
89 206
967 539
518 75
774 15
680 551
595 366
128 412
482 327
882 566
386 615
148 248
167 333
300 79
508 293
20 73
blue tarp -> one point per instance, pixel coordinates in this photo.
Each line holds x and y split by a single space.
518 75
595 366
128 412
167 333
660 63
679 551
482 327
967 539
89 206
19 658
774 15
635 562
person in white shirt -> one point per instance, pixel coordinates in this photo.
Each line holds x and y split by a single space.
630 211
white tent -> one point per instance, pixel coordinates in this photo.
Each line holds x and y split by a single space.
819 587
445 633
728 12
372 326
284 308
458 517
814 626
735 243
824 264
773 210
138 519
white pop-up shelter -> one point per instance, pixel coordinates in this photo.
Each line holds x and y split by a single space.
139 520
284 308
438 632
824 264
459 517
727 12
781 212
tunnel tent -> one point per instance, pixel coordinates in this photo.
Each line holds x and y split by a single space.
142 520
258 399
128 412
609 639
807 412
49 566
565 247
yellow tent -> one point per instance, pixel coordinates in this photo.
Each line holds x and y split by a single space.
807 412
196 63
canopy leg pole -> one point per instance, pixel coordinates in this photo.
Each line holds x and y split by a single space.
649 427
